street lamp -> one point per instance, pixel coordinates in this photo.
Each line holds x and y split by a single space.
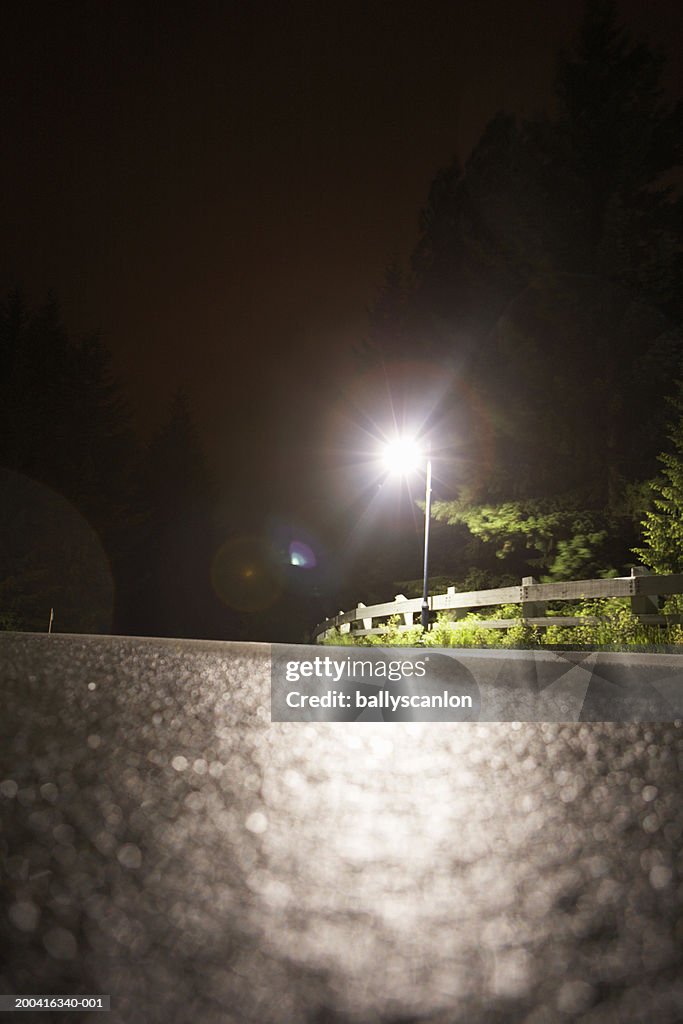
403 455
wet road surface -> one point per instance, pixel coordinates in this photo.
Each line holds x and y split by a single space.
162 842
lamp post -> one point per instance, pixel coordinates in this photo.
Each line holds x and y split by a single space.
428 507
402 456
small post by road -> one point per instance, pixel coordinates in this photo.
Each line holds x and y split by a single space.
52 619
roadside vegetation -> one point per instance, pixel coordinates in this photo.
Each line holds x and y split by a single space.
609 623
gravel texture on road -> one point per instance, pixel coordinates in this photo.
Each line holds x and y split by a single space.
163 842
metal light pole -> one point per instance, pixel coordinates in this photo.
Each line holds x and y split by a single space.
428 506
403 455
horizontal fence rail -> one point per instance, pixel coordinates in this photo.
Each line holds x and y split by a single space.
642 588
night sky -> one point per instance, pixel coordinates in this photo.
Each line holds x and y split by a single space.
218 188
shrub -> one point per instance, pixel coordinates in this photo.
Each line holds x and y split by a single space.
614 624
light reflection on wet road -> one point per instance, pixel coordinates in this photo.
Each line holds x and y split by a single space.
162 841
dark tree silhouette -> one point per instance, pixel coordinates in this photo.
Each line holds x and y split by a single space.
547 279
115 537
178 537
65 425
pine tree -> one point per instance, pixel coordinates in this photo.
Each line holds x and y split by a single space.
619 139
176 498
663 526
548 276
65 426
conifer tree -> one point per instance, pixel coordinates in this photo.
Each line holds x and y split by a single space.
63 425
549 264
663 526
176 498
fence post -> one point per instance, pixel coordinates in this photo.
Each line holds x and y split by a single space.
531 609
643 604
367 623
453 614
407 616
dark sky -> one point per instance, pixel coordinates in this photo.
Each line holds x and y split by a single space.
218 187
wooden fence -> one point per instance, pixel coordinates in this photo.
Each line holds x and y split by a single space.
642 588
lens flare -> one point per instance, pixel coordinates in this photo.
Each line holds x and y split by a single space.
301 555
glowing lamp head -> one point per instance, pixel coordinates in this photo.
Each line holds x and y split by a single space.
402 456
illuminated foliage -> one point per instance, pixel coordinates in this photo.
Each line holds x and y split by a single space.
662 550
550 537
